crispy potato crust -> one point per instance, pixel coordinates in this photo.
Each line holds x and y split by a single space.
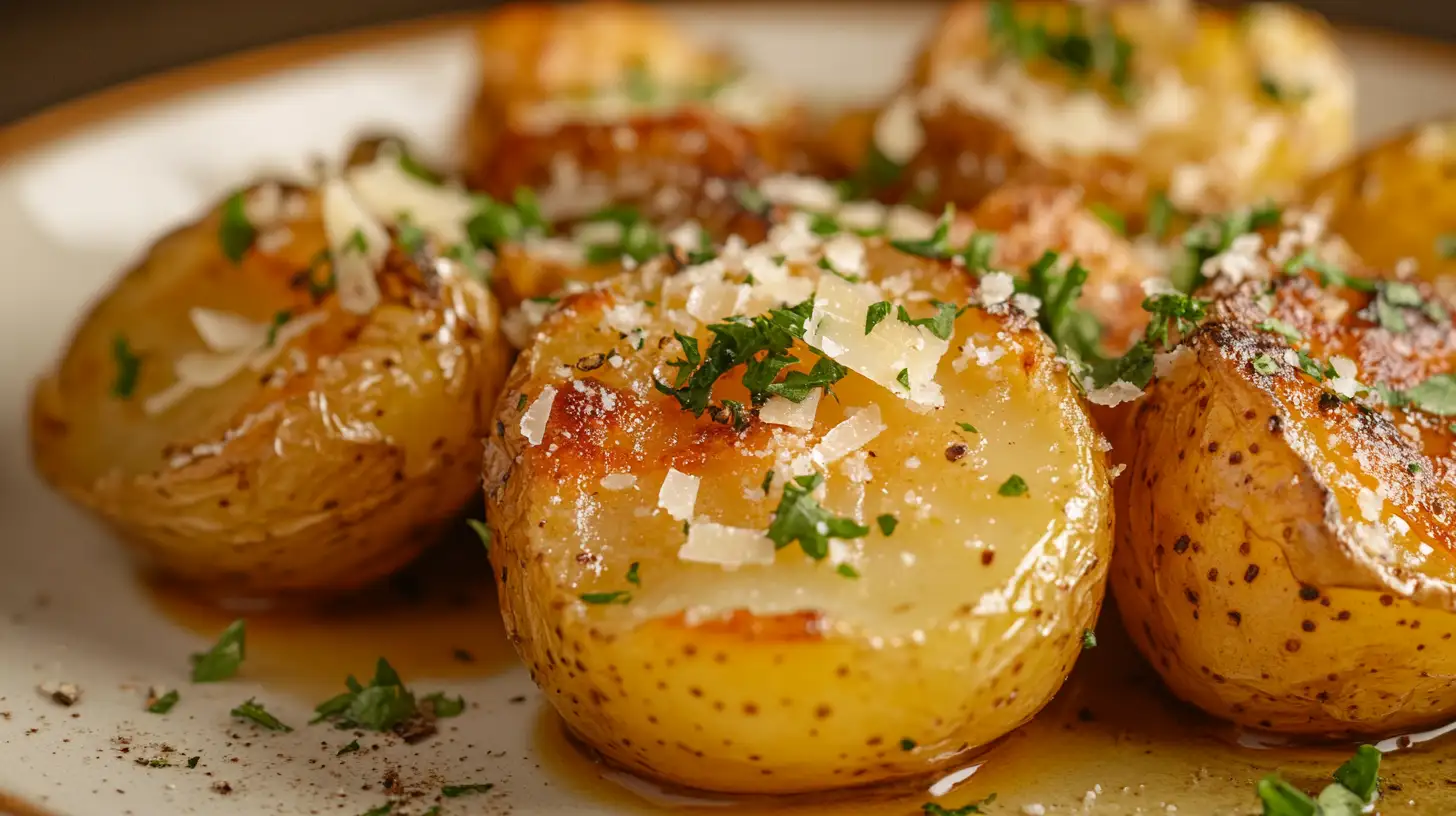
326 469
772 678
1286 556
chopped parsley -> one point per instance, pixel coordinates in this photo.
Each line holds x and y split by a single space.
408 235
1097 54
767 481
632 577
1355 785
496 222
639 240
351 748
235 233
482 530
1414 468
1392 298
1446 246
1089 639
1264 364
380 706
444 707
903 378
940 325
128 368
967 427
932 809
1161 213
620 596
749 198
847 571
1214 235
907 744
979 250
1074 331
163 704
637 83
1329 274
280 319
1279 327
1109 216
874 174
876 314
887 523
253 710
222 660
1282 94
1013 486
937 246
192 761
412 166
761 344
800 518
1436 395
452 791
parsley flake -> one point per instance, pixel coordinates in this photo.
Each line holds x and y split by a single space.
1276 326
192 761
876 314
1278 92
163 704
907 744
619 596
1107 215
887 523
903 378
222 660
444 707
1089 639
1264 364
967 427
352 747
253 710
482 531
1446 246
638 240
1161 213
767 481
800 518
632 577
1355 785
978 251
128 368
1436 395
380 706
941 325
235 233
1013 486
937 246
847 571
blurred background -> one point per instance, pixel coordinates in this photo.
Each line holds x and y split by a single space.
54 50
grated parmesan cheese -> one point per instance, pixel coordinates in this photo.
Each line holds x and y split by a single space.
619 481
898 133
387 191
837 327
800 192
1115 394
728 547
800 415
996 287
354 266
679 494
533 421
849 436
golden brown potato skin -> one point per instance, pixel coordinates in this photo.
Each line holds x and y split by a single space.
774 678
1260 566
547 58
329 470
1396 201
1229 140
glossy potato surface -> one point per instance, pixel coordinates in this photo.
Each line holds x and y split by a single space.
792 675
605 102
1285 555
1397 200
325 469
1216 110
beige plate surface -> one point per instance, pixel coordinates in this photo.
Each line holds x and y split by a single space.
85 188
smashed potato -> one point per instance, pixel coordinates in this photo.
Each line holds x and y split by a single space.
1285 549
738 508
1395 201
285 397
1126 102
605 103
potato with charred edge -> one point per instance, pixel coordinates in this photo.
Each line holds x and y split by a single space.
1286 557
1125 102
1397 201
718 571
236 417
602 102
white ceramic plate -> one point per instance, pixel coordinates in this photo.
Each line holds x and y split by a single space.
79 201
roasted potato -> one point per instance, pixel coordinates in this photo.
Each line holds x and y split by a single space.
1128 101
604 103
952 520
1397 200
282 398
1285 548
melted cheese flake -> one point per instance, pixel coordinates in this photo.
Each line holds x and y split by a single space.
679 494
728 547
849 435
533 422
387 191
790 414
898 133
837 326
344 218
618 481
